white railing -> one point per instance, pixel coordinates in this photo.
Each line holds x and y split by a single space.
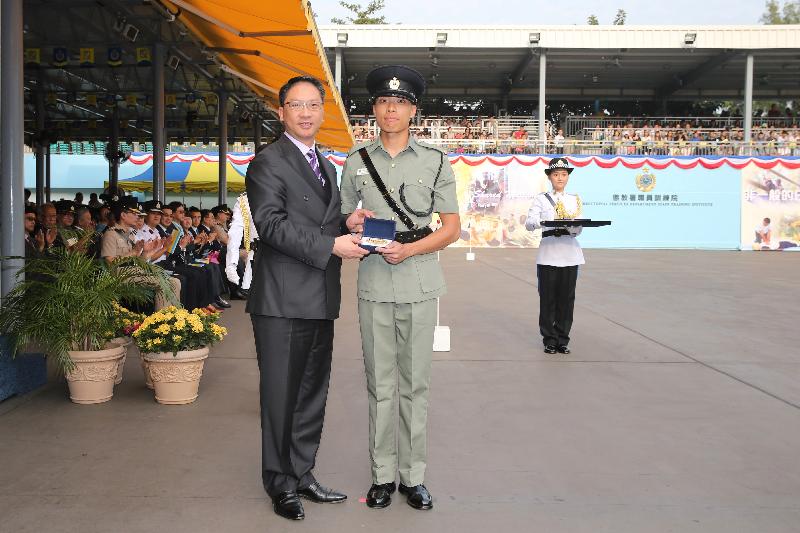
578 126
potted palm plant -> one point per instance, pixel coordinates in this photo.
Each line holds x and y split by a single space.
64 307
174 344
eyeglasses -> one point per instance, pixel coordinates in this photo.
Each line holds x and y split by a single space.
297 105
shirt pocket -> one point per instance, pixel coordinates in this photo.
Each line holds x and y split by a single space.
369 194
429 273
418 195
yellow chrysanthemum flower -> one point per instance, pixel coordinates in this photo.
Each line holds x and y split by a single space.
163 329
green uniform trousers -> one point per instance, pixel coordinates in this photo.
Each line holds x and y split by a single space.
398 337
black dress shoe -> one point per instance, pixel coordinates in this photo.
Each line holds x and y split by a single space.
219 302
562 348
417 496
237 294
288 505
549 348
380 496
319 494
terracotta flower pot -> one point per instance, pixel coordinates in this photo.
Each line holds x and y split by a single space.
176 377
125 342
92 379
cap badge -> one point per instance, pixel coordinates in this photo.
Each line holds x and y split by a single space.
394 83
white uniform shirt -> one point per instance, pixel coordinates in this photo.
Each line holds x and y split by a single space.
147 234
235 236
555 251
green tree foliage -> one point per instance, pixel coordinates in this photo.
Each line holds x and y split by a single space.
361 14
619 19
592 20
775 14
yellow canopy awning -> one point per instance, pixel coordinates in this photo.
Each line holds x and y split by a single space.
265 43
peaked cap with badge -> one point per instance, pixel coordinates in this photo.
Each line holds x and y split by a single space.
558 163
396 80
152 206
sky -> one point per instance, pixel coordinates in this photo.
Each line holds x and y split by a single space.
545 12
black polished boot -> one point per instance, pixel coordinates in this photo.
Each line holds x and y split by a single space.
417 497
380 496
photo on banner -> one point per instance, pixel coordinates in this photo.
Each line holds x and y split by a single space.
771 206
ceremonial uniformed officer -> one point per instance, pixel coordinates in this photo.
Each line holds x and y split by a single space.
398 286
558 257
242 231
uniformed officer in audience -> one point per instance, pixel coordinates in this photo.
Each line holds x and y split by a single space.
120 241
399 285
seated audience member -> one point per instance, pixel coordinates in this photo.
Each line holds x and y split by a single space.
120 241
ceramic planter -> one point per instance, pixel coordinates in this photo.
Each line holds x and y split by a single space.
176 377
92 379
146 371
125 342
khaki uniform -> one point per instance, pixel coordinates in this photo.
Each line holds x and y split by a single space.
397 304
119 241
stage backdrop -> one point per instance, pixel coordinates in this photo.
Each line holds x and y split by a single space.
653 202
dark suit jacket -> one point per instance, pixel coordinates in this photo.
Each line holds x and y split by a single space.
295 275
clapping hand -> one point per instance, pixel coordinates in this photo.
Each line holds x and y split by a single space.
39 237
50 238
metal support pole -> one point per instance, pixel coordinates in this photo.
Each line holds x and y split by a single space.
223 147
159 148
47 174
338 71
542 83
113 148
12 177
40 144
257 131
748 101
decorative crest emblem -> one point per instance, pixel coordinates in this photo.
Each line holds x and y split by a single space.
646 181
394 84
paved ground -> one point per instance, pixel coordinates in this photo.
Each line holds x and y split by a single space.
678 410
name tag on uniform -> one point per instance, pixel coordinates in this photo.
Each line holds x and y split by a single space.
362 172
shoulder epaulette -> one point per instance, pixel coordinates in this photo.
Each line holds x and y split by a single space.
359 146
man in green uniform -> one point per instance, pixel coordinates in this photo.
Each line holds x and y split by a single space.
402 180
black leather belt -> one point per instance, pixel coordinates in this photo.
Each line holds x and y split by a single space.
405 237
558 232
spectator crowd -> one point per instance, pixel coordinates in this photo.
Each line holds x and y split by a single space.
188 243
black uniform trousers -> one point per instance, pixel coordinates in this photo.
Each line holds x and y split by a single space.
294 361
556 302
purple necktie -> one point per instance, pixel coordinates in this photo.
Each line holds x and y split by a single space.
312 158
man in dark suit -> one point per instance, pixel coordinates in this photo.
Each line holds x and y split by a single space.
295 294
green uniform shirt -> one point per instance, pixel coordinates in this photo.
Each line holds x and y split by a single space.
418 278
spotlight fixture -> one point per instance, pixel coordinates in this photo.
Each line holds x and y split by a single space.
534 38
341 39
689 38
130 32
173 62
441 39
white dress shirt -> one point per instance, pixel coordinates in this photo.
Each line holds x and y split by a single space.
235 236
555 251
